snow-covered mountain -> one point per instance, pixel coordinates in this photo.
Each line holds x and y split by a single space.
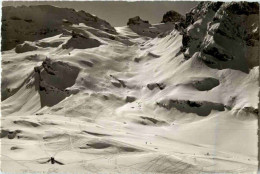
33 23
176 97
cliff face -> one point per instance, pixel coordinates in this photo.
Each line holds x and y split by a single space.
222 35
19 25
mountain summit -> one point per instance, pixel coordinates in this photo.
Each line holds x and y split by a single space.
32 23
172 16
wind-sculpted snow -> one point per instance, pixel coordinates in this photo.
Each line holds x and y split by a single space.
180 97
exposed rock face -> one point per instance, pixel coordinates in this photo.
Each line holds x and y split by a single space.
25 47
152 86
130 99
19 25
222 35
244 8
138 21
205 84
80 41
51 80
172 16
201 108
142 27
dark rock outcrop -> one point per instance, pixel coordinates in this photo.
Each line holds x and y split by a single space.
25 47
142 27
130 99
172 16
205 84
51 80
243 8
152 86
138 21
201 108
80 41
226 35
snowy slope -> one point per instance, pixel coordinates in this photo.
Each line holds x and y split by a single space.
124 102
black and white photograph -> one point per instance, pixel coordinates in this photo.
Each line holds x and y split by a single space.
129 87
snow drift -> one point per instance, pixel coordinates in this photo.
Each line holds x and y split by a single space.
175 97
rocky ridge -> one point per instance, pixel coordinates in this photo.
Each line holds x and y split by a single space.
222 35
19 25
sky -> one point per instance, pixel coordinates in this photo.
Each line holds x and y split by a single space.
117 13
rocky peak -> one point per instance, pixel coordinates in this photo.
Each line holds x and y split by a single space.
172 16
138 21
